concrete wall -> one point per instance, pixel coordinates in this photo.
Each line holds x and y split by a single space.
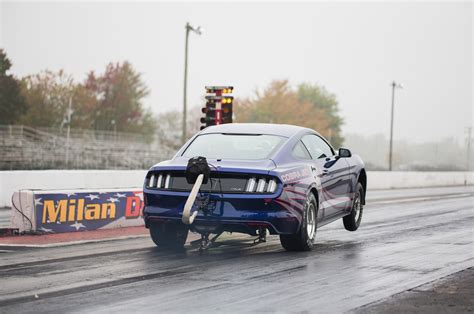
379 180
13 181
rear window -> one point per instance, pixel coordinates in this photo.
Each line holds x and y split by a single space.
234 146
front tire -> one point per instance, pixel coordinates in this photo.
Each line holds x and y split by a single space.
304 239
352 221
170 236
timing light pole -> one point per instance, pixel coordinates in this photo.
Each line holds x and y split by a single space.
394 85
198 31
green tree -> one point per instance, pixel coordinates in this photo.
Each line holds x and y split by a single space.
12 102
112 101
48 95
326 102
84 104
279 103
117 102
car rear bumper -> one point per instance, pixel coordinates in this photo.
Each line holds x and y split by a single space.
227 213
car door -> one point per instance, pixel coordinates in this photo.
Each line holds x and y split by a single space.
333 173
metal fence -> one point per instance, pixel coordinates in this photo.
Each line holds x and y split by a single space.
23 147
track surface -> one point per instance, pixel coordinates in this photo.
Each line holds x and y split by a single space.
408 238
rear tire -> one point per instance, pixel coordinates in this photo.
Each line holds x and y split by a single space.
304 239
352 221
170 236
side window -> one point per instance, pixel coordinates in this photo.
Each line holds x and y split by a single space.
299 151
317 147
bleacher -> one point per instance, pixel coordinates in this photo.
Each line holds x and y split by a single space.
23 147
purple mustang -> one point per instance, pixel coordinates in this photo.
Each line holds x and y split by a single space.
281 178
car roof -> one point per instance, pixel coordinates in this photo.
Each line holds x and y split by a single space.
285 130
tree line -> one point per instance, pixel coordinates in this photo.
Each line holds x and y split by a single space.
113 101
110 101
307 105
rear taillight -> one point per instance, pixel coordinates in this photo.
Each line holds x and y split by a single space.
230 183
261 185
167 181
155 181
272 185
251 185
159 181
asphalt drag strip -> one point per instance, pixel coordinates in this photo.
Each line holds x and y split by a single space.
399 246
451 294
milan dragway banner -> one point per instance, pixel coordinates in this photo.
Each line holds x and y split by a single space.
76 210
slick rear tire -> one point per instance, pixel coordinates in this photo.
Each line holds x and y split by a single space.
169 236
352 221
304 239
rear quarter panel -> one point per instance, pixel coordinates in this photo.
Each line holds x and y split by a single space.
355 167
297 181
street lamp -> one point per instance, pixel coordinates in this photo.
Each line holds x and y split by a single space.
115 129
394 85
198 31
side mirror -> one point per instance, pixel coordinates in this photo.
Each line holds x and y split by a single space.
344 153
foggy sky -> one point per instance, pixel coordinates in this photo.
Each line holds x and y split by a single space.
353 49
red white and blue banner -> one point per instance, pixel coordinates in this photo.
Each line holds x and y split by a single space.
77 210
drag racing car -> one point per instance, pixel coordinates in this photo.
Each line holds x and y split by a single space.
256 179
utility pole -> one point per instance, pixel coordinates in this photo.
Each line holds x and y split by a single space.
69 113
394 85
468 161
198 31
